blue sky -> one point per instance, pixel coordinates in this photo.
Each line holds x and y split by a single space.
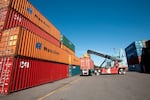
99 25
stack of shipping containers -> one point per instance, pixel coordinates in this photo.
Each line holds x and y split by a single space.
134 54
30 51
74 62
145 58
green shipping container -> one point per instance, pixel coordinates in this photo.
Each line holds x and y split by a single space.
74 70
67 43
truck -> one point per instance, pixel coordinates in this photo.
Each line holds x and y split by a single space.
86 65
116 68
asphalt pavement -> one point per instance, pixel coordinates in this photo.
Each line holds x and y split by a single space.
132 86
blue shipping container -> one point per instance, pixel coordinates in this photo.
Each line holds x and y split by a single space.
130 48
139 52
131 68
133 46
136 68
134 49
139 44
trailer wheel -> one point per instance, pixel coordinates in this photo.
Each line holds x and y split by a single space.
121 71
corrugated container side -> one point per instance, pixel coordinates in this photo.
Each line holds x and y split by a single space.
30 12
134 57
68 50
74 60
137 60
8 42
139 44
74 70
30 45
138 67
134 49
6 66
145 60
92 64
139 52
129 61
130 48
134 60
135 53
144 43
131 55
145 55
3 15
131 68
65 41
86 63
133 46
83 63
13 19
4 3
24 73
147 44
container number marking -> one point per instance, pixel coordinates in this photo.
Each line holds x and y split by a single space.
16 17
24 64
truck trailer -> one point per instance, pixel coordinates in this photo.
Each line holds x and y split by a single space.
87 65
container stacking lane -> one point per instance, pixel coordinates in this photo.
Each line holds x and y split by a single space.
37 92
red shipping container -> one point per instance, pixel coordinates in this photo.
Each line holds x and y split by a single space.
134 60
6 65
3 14
21 73
10 18
4 3
27 10
86 63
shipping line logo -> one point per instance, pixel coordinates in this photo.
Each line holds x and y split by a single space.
38 45
29 10
51 51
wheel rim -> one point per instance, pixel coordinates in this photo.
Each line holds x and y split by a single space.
121 71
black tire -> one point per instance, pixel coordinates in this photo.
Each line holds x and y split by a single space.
121 71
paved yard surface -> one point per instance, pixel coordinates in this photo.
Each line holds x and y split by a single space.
132 86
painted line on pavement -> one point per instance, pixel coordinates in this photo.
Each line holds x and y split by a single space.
60 89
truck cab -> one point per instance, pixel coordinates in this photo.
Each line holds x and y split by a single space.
85 72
